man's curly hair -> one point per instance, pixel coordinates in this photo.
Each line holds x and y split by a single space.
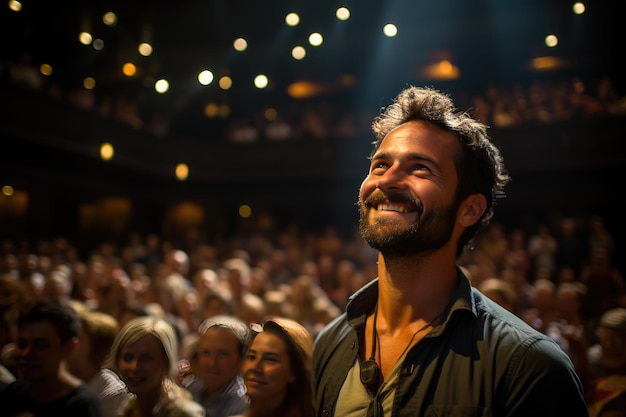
481 167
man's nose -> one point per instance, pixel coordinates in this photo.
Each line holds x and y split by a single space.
393 178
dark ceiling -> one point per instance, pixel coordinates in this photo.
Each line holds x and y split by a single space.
489 41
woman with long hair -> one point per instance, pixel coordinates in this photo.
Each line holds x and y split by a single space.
145 355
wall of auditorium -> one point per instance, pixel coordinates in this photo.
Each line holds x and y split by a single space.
50 157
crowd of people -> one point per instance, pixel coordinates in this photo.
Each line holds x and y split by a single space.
140 328
335 115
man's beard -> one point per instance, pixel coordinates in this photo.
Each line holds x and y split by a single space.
392 238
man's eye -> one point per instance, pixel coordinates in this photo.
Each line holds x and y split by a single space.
34 345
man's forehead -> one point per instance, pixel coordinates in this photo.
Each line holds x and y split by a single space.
37 330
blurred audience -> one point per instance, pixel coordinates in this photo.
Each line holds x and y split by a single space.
608 365
305 276
534 101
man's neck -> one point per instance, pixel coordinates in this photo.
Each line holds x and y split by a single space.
54 387
414 288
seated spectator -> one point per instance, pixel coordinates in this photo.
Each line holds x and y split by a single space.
608 364
499 291
96 335
145 355
221 346
277 370
543 305
605 284
47 337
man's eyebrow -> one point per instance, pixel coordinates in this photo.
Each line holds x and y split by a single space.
415 156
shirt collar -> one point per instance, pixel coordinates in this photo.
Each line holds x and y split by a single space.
362 302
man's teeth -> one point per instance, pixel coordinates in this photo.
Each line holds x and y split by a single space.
392 207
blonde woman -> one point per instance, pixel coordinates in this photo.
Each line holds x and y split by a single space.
145 355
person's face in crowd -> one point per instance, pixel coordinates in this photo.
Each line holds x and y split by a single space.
267 368
613 342
407 201
40 351
206 281
219 358
142 365
213 307
567 303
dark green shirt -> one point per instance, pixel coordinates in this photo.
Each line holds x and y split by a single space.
16 400
480 361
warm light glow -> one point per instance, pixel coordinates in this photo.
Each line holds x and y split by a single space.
442 70
261 81
240 44
7 190
292 19
145 49
270 114
298 52
45 69
578 7
552 41
316 39
15 5
245 211
129 69
343 13
109 18
98 44
106 151
225 82
211 110
85 38
547 63
89 83
306 89
161 86
205 77
182 171
390 30
445 66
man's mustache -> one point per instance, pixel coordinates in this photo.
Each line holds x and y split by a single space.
378 197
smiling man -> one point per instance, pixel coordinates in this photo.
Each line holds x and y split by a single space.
420 340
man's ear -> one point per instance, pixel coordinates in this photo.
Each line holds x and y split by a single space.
472 209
